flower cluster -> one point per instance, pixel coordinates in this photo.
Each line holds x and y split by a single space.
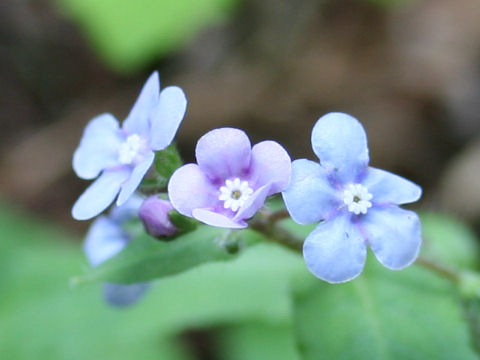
355 205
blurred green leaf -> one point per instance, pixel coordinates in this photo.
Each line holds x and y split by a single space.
258 341
43 318
129 34
450 241
411 314
472 312
146 258
391 3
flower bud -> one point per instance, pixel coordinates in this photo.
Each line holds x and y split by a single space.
154 215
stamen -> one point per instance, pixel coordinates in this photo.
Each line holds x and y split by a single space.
131 150
357 198
235 193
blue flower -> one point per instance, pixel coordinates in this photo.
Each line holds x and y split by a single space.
105 239
356 205
123 155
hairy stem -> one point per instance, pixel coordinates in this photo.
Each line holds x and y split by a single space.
268 226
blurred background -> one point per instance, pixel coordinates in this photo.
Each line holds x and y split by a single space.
409 70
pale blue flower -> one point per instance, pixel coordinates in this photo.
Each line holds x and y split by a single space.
123 155
357 205
105 239
232 179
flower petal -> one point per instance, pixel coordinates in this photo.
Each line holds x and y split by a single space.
99 195
98 148
340 143
128 210
390 188
270 163
394 234
309 197
138 121
136 176
224 153
335 251
105 239
253 203
124 295
215 219
190 189
167 117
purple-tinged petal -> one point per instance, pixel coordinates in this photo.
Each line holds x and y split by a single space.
190 189
105 239
154 215
309 197
340 143
215 219
390 188
394 234
128 210
270 163
167 117
124 295
335 251
136 176
253 203
98 148
100 194
223 153
138 121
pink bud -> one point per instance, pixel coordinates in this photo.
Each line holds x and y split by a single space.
154 215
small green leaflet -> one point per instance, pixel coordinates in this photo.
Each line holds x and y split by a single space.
146 258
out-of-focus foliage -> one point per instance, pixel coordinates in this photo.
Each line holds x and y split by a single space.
128 34
390 3
410 314
449 241
260 304
146 259
258 341
42 317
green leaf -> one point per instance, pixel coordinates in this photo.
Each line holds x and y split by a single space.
167 161
258 341
61 322
145 258
382 315
182 222
42 318
472 312
450 241
129 34
254 286
153 185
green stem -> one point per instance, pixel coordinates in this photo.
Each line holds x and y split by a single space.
268 226
439 269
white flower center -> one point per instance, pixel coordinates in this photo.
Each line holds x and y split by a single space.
131 150
357 198
235 193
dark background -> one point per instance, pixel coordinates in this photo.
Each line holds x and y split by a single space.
409 71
